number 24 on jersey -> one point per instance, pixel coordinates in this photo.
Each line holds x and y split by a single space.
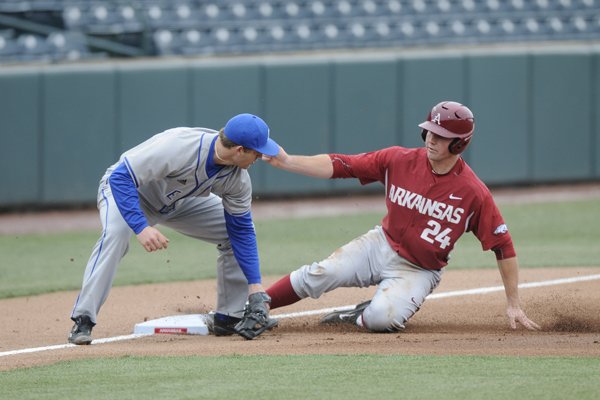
435 234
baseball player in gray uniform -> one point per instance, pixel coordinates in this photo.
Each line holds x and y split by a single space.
195 181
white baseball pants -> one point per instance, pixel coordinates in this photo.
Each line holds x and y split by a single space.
365 261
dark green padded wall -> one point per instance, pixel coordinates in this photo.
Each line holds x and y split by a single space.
499 96
562 114
595 131
537 114
298 111
79 132
150 99
364 112
220 91
20 147
425 82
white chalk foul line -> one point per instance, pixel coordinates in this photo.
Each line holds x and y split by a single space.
454 293
67 345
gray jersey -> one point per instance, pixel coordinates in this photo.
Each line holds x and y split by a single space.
171 166
170 174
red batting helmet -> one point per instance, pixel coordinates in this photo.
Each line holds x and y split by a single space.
451 120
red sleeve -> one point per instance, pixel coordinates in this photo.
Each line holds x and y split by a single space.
367 167
489 227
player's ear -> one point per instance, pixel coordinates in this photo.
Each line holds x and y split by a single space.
239 149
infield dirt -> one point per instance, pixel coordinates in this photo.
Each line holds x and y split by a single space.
469 325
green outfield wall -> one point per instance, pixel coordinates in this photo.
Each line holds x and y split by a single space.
537 113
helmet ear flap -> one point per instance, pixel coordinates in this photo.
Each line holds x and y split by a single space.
456 146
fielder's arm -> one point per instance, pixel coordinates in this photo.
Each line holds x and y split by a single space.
126 197
318 166
509 270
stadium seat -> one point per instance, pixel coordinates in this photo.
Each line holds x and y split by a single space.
14 6
69 46
159 15
370 8
102 19
407 31
510 28
295 10
369 33
543 4
518 5
383 30
247 26
226 39
555 26
485 28
468 6
443 6
212 11
494 6
74 18
318 9
167 42
392 7
8 48
579 24
240 11
278 33
418 6
345 9
129 18
32 48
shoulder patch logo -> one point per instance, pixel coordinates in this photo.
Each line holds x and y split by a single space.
501 229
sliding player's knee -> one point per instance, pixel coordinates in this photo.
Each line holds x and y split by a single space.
313 280
386 317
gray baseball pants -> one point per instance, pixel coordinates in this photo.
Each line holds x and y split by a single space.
198 217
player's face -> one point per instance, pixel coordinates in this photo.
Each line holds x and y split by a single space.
246 157
437 147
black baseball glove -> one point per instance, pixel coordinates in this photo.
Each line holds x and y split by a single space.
256 316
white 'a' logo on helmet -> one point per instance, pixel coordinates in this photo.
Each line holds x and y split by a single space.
437 119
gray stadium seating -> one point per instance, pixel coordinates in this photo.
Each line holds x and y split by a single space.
206 27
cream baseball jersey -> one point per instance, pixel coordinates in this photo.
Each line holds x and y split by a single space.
426 212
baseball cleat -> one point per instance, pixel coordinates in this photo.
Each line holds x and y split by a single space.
345 317
82 330
221 325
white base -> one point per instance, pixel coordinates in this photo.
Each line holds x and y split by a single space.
192 324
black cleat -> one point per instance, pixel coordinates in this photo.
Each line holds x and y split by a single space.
345 317
221 325
82 330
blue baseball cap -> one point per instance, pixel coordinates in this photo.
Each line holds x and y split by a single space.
251 132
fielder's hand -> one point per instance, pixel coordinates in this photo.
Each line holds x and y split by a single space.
152 239
515 314
256 316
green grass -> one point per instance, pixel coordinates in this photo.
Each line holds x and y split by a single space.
33 264
309 377
544 234
552 234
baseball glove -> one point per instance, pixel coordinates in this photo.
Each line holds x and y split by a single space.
256 316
